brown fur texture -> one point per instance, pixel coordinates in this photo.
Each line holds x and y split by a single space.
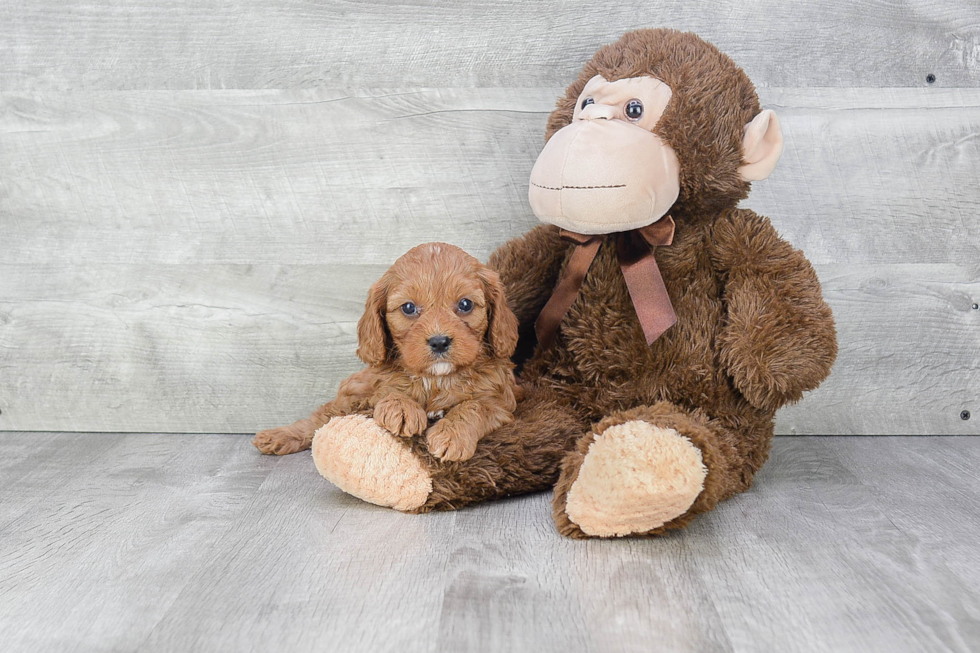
408 383
753 332
704 122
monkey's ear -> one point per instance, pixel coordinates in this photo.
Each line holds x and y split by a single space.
372 335
761 146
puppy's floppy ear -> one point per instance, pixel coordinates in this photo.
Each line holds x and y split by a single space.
502 329
372 332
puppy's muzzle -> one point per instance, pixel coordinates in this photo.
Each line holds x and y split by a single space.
440 344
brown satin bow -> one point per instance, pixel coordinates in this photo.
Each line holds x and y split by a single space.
635 251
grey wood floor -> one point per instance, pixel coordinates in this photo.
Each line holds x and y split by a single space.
157 542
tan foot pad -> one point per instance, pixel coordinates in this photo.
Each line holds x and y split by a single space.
635 477
365 460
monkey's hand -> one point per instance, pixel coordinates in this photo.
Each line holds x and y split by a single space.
779 339
400 415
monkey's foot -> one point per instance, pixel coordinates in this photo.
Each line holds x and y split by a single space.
363 459
634 478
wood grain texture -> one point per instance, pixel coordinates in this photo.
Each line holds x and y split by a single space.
236 348
196 260
909 360
161 543
105 530
810 513
193 348
183 44
939 478
868 175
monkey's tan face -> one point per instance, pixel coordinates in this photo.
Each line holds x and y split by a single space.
607 171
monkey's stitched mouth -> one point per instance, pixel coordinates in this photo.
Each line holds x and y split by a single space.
578 187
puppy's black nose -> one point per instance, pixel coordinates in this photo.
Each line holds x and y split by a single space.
439 344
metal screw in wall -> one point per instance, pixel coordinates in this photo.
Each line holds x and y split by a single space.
976 306
930 78
965 415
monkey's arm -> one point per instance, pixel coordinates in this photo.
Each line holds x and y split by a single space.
779 338
529 266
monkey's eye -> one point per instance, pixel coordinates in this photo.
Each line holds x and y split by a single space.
465 305
634 109
587 101
410 309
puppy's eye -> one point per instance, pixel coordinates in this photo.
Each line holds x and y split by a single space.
410 309
634 109
587 101
465 305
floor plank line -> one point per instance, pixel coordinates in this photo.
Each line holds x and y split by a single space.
156 542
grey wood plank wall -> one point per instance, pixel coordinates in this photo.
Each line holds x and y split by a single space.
194 197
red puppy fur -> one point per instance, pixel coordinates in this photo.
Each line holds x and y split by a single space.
437 336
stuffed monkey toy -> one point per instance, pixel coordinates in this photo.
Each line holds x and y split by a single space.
665 325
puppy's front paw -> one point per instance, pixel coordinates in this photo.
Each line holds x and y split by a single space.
447 442
400 416
281 441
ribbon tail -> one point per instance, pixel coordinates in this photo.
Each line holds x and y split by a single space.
546 326
647 289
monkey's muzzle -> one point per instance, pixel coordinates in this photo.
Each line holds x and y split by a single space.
602 176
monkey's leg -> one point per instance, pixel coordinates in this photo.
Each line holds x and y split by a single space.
521 457
524 456
363 459
653 468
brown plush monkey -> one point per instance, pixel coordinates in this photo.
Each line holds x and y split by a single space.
671 325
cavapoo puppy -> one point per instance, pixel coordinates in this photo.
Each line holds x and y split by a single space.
437 337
